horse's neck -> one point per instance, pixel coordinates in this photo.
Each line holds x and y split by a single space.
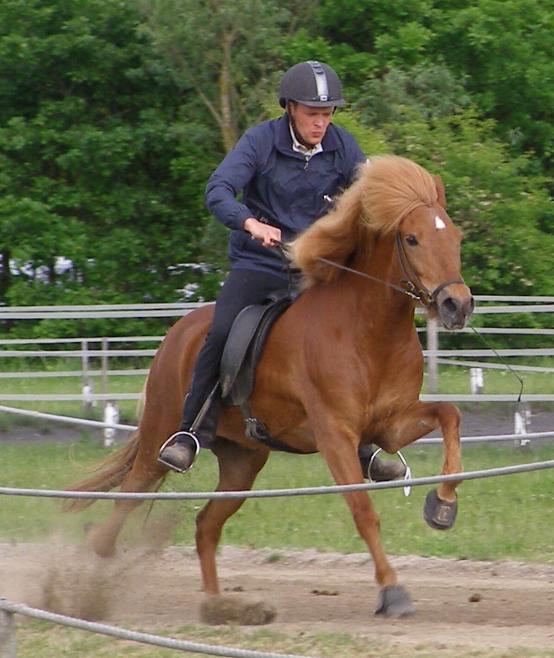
386 304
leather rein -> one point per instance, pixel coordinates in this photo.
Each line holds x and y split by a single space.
412 286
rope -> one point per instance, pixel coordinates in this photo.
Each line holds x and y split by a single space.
278 493
66 419
131 428
487 438
145 638
493 366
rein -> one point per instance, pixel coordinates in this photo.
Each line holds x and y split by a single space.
413 286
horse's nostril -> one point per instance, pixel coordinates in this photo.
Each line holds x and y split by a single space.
450 305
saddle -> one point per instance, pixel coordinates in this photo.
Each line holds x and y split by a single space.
243 349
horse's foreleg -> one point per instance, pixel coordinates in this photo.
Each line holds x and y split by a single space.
238 468
418 421
143 475
344 464
341 455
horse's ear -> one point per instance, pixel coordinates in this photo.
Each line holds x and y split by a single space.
440 190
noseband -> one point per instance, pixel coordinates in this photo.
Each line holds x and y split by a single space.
413 284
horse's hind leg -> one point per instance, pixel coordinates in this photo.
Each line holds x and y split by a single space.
238 468
143 476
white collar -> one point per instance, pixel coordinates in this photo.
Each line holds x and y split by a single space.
300 148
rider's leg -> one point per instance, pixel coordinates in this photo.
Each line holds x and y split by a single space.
241 288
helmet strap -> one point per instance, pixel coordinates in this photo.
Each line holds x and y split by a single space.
292 104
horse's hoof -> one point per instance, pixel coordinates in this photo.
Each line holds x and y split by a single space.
394 601
97 543
439 514
233 610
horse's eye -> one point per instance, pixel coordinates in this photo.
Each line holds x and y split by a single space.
412 240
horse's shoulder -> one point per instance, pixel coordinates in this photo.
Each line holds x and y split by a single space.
196 321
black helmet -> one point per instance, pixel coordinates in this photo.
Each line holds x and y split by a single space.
311 83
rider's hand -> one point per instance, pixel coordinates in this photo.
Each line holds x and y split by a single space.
268 235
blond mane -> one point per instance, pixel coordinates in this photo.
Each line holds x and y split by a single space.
387 188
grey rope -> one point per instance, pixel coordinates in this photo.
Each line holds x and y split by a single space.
277 493
119 426
66 419
145 638
483 438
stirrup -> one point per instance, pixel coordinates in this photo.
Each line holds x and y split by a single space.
174 440
407 473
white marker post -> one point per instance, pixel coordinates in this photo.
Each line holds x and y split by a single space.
476 380
111 417
522 424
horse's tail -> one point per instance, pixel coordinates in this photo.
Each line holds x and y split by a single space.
107 475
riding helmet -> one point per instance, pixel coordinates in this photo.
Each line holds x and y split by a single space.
313 84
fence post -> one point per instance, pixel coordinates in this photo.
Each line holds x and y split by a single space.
432 346
7 635
84 360
104 366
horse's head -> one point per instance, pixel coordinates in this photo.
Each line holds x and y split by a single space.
428 246
392 196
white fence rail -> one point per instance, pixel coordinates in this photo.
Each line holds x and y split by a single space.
102 349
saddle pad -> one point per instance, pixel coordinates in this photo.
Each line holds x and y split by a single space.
244 347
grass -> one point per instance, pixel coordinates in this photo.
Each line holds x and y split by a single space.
503 517
73 385
37 639
452 379
455 379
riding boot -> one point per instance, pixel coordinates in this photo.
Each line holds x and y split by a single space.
381 471
180 450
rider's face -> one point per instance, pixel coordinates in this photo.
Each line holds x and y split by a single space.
310 123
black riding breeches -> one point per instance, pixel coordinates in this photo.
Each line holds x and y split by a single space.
241 288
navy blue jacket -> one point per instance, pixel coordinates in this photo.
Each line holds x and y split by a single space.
279 186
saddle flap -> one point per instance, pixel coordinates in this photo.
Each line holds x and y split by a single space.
244 347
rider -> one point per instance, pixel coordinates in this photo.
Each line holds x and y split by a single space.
286 171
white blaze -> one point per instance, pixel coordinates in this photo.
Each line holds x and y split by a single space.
439 223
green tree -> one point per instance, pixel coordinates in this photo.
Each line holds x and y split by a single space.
506 50
501 49
222 52
496 199
431 91
98 163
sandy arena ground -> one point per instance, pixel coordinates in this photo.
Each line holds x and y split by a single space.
476 606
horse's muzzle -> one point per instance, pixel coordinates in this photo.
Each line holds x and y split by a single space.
454 310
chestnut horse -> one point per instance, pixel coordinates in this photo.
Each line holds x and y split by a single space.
342 367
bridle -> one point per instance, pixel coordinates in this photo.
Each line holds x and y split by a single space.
412 286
